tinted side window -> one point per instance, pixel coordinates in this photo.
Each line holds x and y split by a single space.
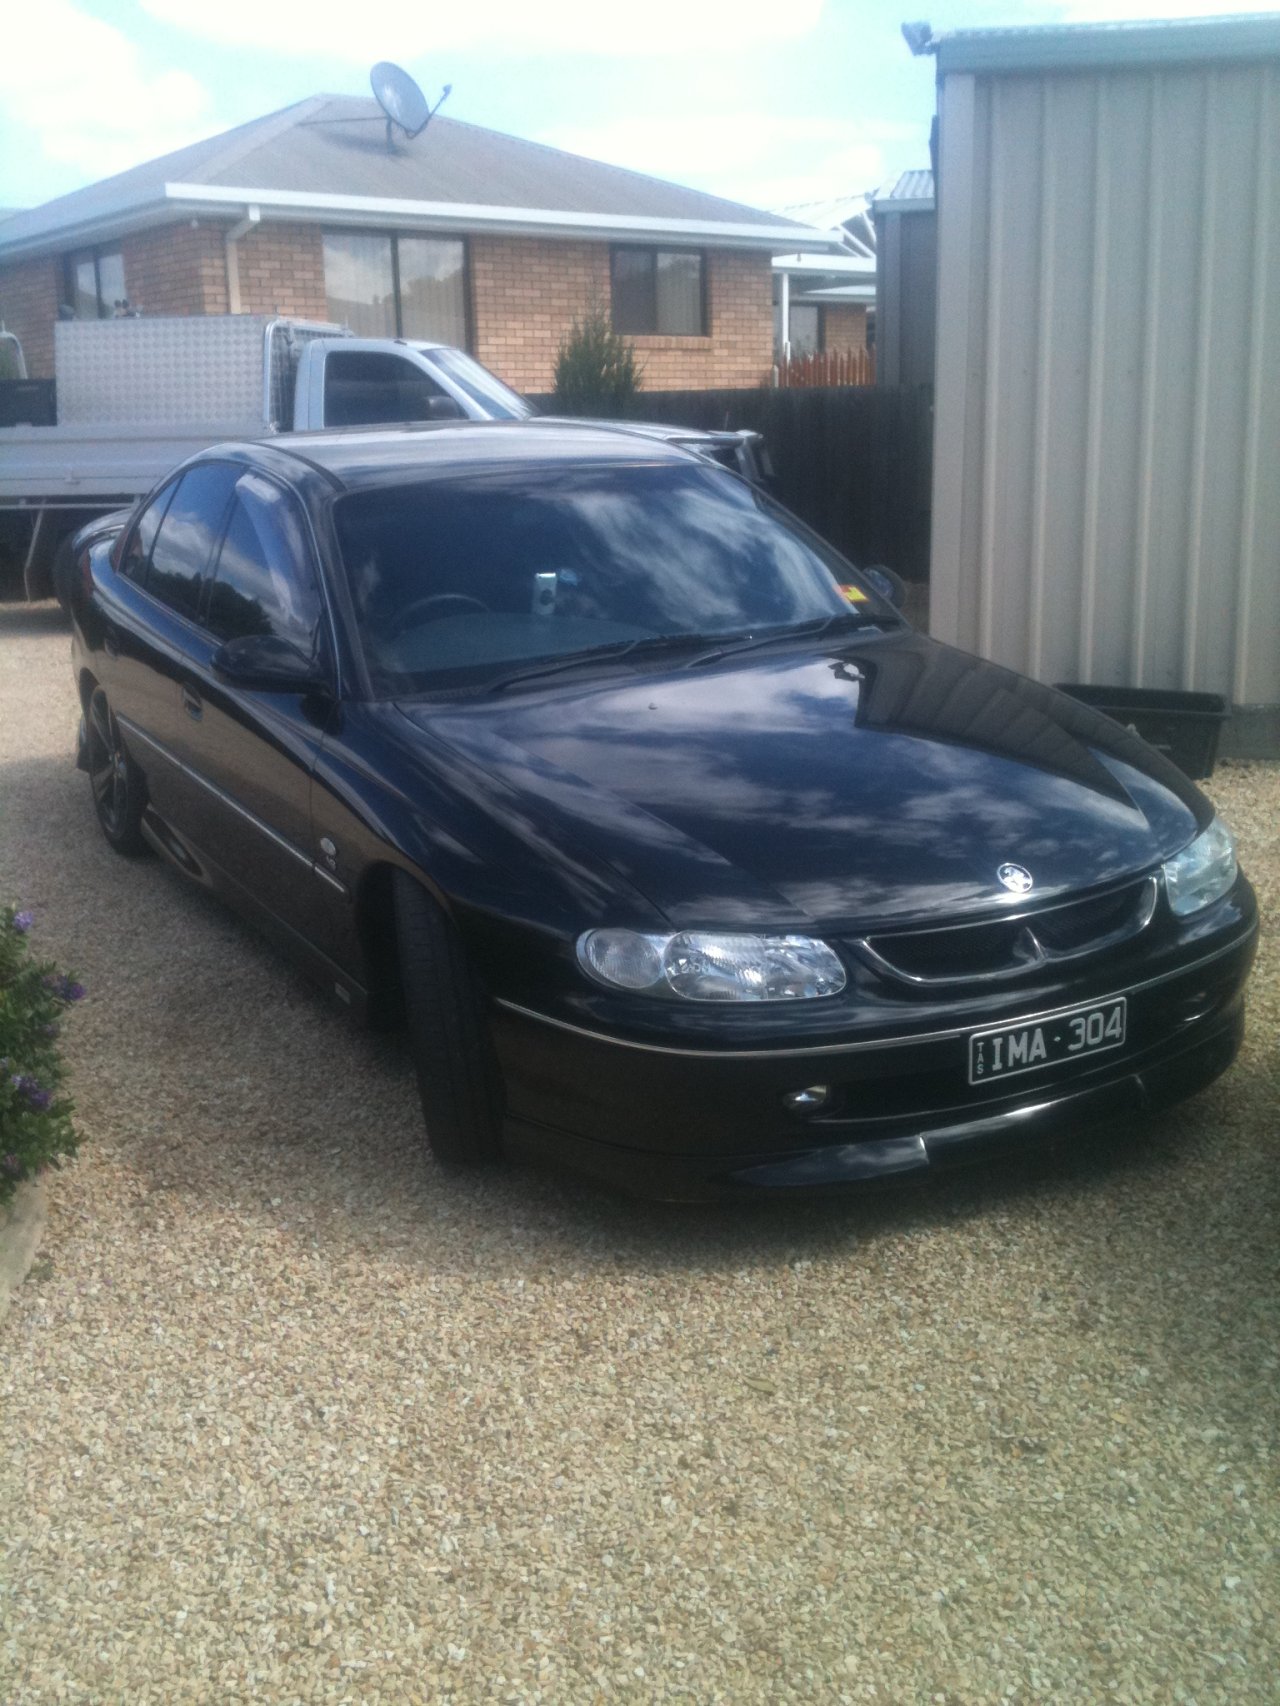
264 582
188 534
143 536
373 387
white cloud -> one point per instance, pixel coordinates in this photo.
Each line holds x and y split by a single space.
411 29
756 158
84 94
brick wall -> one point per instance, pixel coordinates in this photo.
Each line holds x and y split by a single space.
526 293
29 293
282 271
176 269
844 327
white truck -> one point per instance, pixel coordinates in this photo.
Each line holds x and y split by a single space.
136 396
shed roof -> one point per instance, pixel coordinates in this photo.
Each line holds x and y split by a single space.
912 192
1062 47
329 157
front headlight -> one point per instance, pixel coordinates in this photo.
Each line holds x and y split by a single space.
1202 872
699 966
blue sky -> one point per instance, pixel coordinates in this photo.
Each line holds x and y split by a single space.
772 102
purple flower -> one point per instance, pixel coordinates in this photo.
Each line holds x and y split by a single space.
22 922
37 1097
65 988
50 1030
12 1166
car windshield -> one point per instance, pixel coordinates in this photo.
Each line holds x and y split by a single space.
499 401
473 578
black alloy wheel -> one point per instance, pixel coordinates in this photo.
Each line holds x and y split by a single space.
119 792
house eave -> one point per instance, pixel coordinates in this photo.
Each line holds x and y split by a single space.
217 202
835 261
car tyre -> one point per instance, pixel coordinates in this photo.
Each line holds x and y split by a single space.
459 1083
119 788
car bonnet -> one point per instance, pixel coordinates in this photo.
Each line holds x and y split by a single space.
888 779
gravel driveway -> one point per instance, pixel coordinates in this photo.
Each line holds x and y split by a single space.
290 1414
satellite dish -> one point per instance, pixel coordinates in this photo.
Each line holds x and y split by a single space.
400 98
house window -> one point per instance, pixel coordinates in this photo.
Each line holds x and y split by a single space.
93 282
659 290
386 286
806 328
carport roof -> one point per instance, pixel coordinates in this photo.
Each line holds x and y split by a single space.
328 158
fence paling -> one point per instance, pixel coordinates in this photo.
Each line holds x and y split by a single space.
853 461
828 367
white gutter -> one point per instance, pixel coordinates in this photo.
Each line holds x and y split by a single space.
473 216
857 266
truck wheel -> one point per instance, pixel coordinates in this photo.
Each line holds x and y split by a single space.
119 791
459 1083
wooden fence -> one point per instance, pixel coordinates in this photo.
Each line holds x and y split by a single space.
828 367
854 462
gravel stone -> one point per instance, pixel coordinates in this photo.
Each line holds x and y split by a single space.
292 1414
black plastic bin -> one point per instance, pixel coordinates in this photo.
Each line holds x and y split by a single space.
28 402
1184 726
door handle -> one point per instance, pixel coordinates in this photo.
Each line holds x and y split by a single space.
191 703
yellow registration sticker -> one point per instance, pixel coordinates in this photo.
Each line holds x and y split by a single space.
854 594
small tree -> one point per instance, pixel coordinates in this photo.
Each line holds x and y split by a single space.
596 369
35 1120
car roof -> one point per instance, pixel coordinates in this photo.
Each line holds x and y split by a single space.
381 455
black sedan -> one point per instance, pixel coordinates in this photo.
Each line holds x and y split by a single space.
679 853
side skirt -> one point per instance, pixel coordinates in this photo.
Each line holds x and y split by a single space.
329 977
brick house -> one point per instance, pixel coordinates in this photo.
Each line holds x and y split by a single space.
826 302
459 234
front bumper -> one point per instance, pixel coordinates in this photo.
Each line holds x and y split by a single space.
691 1123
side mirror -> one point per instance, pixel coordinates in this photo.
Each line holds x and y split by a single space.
268 664
444 409
887 583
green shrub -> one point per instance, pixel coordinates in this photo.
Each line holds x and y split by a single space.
35 1120
596 370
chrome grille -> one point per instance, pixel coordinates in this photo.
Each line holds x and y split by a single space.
1011 947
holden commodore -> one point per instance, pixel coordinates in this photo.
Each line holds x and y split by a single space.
680 855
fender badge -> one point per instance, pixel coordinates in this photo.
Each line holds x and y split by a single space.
1016 878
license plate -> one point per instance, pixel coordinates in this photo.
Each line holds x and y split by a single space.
1069 1035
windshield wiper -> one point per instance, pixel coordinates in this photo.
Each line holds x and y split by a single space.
801 630
596 654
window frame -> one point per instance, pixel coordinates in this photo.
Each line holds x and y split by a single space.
193 618
106 310
653 250
324 621
393 237
120 562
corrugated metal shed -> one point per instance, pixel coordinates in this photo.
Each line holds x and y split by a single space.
1106 499
909 191
906 281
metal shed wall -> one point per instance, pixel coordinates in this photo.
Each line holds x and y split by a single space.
906 280
1107 441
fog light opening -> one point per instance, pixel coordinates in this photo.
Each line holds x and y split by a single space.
809 1100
